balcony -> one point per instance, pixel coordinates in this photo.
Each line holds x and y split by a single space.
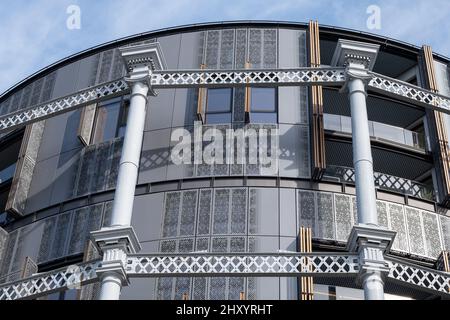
377 131
383 181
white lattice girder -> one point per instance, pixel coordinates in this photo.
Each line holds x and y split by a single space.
71 102
230 78
426 278
208 265
241 265
45 283
226 78
409 93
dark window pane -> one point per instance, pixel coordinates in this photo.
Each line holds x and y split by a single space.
106 122
218 118
263 117
123 119
219 100
262 100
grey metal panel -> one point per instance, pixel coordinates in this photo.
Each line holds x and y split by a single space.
170 45
307 210
241 48
294 159
288 214
86 124
415 232
66 80
185 107
191 50
85 220
188 213
139 289
183 170
27 245
160 110
65 172
98 167
221 211
226 58
325 216
171 214
106 61
147 216
21 184
49 84
60 135
40 191
262 288
293 105
292 48
37 91
433 245
398 224
288 244
263 211
238 214
155 156
288 288
3 246
86 67
343 216
382 214
445 227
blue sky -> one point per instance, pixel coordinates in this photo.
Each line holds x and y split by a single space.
33 33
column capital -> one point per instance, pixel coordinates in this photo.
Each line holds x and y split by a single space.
115 243
371 243
141 60
358 58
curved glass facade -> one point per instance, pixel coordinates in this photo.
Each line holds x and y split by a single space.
69 165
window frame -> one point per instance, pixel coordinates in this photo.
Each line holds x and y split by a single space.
274 112
231 106
121 120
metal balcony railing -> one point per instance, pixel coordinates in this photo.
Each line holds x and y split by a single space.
377 130
383 181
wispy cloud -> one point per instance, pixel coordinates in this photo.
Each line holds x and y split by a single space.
34 34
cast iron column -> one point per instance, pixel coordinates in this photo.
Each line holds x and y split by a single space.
119 239
367 238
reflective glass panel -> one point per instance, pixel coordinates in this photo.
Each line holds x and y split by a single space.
106 122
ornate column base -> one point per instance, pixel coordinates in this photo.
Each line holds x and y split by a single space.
371 243
114 243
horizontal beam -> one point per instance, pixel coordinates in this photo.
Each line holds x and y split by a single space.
277 265
229 265
253 77
226 78
43 284
406 92
414 276
71 102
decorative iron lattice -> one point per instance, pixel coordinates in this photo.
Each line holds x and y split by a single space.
45 283
419 276
409 92
227 78
64 104
384 181
241 264
228 264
